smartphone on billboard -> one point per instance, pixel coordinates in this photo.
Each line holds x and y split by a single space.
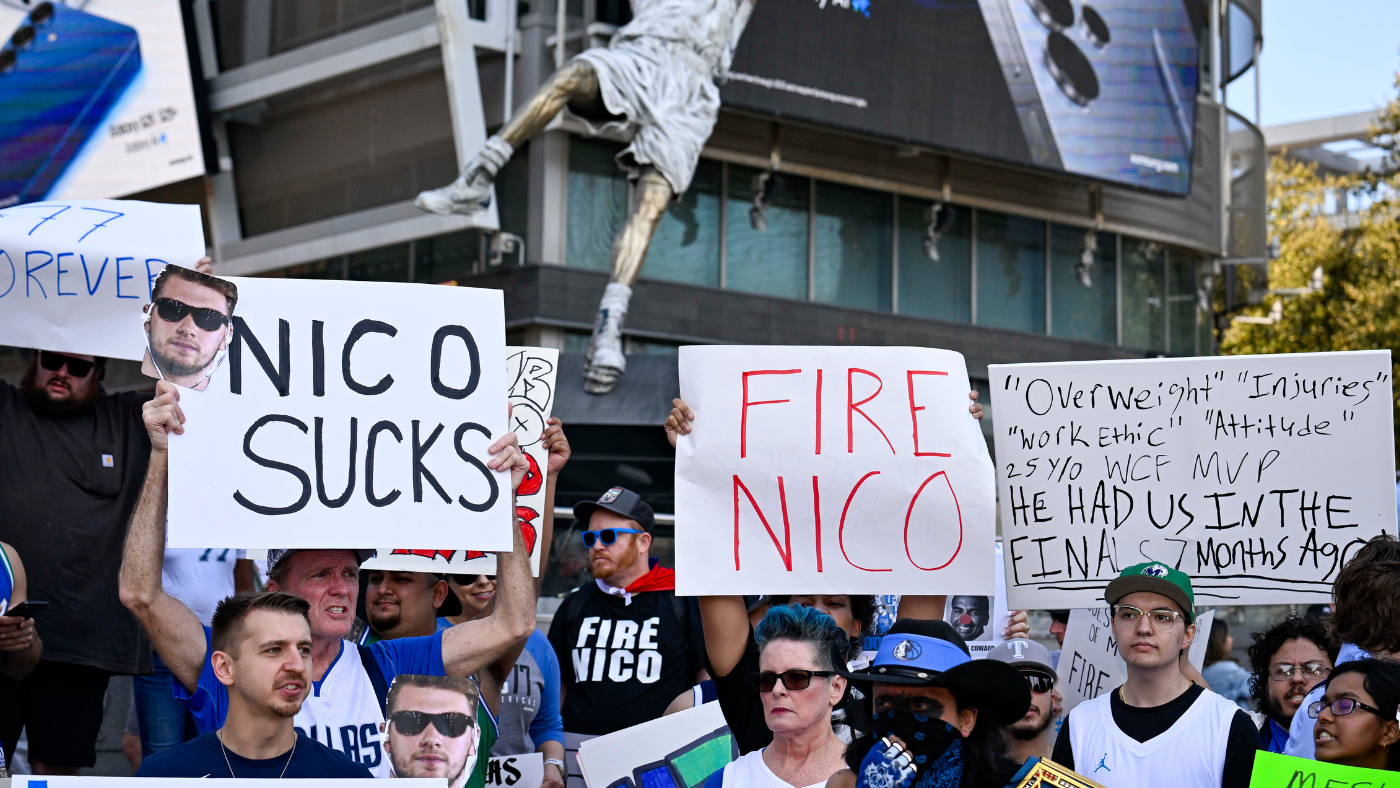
61 71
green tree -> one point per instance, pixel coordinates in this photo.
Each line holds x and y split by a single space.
1357 306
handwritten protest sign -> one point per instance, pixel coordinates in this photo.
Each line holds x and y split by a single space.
346 411
1272 770
530 373
1089 661
856 470
516 771
978 619
60 781
680 749
75 274
1256 475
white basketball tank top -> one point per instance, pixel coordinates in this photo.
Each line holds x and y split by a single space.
342 712
1189 754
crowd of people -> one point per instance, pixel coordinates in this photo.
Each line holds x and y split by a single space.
271 673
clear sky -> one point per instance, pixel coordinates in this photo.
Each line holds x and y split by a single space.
1323 57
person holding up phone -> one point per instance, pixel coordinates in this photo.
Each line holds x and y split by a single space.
20 645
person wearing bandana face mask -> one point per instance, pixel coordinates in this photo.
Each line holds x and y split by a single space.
937 715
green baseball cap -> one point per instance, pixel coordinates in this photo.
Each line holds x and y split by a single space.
1158 578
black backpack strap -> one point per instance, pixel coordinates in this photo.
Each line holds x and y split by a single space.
376 677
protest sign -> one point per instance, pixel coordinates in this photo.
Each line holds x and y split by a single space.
1089 661
851 470
530 374
1272 770
59 781
516 771
679 750
980 620
345 411
1256 475
74 275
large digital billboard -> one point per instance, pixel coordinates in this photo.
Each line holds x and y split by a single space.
1103 89
95 99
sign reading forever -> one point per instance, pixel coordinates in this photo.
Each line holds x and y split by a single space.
856 470
346 411
74 275
1256 475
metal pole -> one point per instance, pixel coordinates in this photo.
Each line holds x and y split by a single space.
560 24
509 100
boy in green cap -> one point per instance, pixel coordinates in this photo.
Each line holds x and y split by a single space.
1158 728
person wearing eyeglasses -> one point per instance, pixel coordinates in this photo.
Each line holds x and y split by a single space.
262 655
1356 716
72 457
189 322
626 644
431 729
1030 735
1287 660
1158 728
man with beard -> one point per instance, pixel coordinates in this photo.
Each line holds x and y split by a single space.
432 729
969 616
262 654
189 322
1288 659
627 645
1030 735
406 604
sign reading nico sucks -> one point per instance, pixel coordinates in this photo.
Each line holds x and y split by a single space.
1256 475
346 415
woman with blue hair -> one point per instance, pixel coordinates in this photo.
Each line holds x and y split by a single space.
801 651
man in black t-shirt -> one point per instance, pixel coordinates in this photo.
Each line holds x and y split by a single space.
71 462
627 646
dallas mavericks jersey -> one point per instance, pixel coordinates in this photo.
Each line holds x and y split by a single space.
7 583
1190 754
342 712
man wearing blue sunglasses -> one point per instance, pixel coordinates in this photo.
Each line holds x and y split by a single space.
627 646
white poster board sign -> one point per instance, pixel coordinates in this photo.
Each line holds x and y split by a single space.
516 771
74 275
1256 475
689 745
51 781
847 469
979 619
1089 661
530 372
345 411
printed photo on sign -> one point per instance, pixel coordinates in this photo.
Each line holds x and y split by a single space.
980 620
432 728
189 324
675 751
530 372
76 275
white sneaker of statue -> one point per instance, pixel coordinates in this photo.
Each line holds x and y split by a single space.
606 362
471 192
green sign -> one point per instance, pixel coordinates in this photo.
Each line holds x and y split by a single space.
1285 771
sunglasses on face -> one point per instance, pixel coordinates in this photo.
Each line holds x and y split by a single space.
1040 683
1312 671
792 679
205 319
449 723
1342 707
607 535
53 362
470 580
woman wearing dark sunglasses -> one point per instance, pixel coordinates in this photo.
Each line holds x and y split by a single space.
1356 724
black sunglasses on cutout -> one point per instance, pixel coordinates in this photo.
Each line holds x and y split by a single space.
53 362
206 319
449 723
466 580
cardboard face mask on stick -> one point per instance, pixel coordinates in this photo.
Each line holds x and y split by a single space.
432 729
188 326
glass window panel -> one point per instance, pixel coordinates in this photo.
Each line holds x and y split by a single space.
853 247
1010 272
1144 289
385 264
942 288
686 245
597 203
446 258
330 268
1181 321
1083 302
772 261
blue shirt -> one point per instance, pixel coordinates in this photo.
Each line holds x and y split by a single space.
204 757
7 582
1228 680
548 724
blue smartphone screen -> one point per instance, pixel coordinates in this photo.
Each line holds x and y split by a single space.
61 71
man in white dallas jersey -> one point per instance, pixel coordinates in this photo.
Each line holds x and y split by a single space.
345 709
1158 728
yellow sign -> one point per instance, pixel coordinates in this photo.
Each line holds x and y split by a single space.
1048 774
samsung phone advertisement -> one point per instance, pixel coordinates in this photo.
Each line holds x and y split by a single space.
95 99
1100 88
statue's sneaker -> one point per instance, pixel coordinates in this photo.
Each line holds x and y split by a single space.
466 195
